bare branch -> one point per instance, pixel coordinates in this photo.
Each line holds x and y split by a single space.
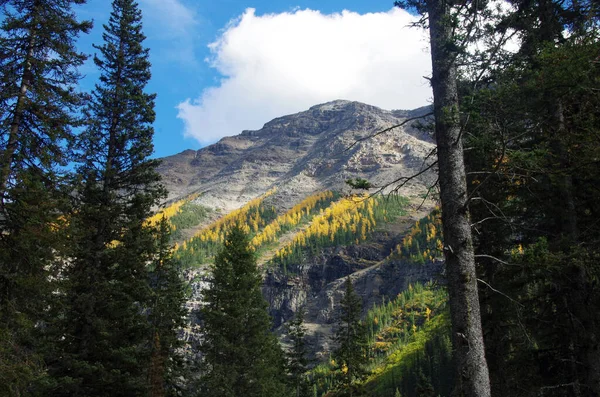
435 184
496 259
500 292
387 129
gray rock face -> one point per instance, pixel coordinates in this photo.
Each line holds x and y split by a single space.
301 153
319 287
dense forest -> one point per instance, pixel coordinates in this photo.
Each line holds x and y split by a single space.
92 293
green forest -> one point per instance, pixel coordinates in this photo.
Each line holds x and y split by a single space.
95 265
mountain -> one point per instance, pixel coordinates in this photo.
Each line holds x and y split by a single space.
302 153
286 183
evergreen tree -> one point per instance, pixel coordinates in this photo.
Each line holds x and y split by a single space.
38 106
297 361
448 41
106 336
424 387
38 79
167 315
351 353
533 133
241 357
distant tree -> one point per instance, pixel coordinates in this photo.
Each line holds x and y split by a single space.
167 313
424 387
241 357
297 360
105 348
359 183
351 339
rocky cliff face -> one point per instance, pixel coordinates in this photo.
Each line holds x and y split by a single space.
301 153
318 286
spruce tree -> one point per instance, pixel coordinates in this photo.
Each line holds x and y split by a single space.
351 338
297 360
548 109
241 357
38 110
106 336
167 315
38 81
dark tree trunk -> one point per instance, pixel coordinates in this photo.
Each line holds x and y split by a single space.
472 377
7 157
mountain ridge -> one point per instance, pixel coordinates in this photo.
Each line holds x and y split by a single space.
302 153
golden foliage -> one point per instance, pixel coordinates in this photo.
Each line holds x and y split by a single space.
289 220
353 215
169 211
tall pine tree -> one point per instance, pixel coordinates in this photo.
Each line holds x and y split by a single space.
297 360
167 316
534 134
38 106
241 357
106 335
351 338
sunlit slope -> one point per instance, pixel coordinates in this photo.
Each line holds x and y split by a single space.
409 347
285 238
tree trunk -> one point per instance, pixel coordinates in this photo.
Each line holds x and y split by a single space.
157 368
7 157
472 377
568 217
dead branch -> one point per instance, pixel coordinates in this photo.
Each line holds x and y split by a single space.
387 129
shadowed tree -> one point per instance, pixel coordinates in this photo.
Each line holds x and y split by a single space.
351 338
241 357
39 103
106 342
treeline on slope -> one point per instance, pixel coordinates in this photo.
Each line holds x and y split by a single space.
423 242
90 299
182 214
533 174
258 219
407 350
350 220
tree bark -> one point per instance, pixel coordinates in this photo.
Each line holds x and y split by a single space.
472 377
7 156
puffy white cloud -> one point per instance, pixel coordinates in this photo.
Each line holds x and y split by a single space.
278 64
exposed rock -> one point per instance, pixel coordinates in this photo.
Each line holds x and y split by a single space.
302 153
319 287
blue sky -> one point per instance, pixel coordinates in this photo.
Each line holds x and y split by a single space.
222 66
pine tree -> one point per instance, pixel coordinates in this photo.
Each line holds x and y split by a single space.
241 357
297 360
38 79
38 106
105 349
548 111
167 316
423 387
351 338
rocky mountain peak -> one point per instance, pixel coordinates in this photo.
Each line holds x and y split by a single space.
299 154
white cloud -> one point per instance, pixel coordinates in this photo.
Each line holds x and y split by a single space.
278 64
171 22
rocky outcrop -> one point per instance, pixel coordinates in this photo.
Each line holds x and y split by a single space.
318 286
302 153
